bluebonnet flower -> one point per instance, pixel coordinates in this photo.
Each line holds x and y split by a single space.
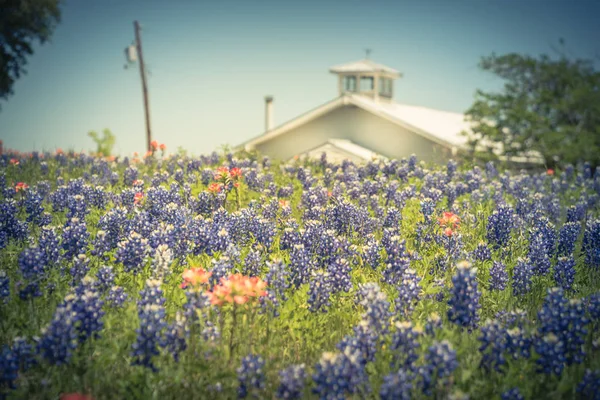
364 340
77 207
251 376
408 293
25 352
375 305
546 231
512 394
567 236
276 278
130 175
591 243
175 337
498 276
112 224
9 368
562 332
161 262
339 375
132 252
564 272
291 382
396 386
151 312
464 297
522 275
4 286
576 213
81 266
197 304
220 269
427 208
74 238
59 337
339 275
372 252
301 265
32 263
397 260
105 278
440 362
589 387
319 291
493 345
392 218
87 306
434 323
518 343
33 206
537 255
552 354
490 170
482 252
499 226
116 296
593 307
404 345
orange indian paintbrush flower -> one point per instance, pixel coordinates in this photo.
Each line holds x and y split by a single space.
195 277
21 186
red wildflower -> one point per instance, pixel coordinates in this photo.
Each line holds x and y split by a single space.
162 147
235 173
222 173
21 186
215 187
550 171
194 277
154 145
137 198
238 289
449 220
14 161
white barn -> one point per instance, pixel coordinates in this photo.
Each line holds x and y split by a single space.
363 122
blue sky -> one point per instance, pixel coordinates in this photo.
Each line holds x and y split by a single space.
212 63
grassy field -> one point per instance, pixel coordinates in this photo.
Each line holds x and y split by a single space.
232 276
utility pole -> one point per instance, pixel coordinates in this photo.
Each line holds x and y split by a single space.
138 43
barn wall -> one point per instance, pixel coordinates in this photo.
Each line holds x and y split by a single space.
361 127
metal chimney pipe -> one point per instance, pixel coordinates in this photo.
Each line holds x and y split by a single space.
268 113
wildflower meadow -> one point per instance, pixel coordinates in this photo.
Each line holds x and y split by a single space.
235 276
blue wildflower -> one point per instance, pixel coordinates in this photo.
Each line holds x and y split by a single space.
498 276
291 382
396 386
151 313
464 297
251 376
319 291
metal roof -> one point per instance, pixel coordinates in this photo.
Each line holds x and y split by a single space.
364 65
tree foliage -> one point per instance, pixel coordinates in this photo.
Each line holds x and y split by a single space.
22 22
104 144
550 106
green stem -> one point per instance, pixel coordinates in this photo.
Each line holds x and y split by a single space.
231 343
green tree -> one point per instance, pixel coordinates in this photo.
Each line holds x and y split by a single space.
104 144
550 106
22 22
